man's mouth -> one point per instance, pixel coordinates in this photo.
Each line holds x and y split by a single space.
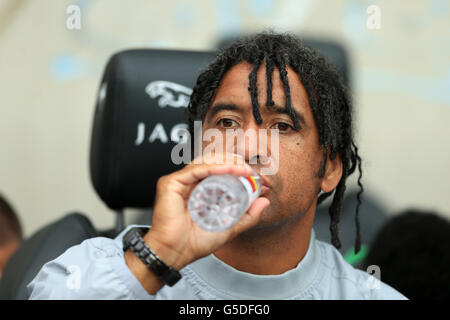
265 187
265 191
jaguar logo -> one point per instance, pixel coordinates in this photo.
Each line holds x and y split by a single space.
169 94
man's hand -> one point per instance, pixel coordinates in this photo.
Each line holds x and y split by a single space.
174 236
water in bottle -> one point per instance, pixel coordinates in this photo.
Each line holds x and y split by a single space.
219 201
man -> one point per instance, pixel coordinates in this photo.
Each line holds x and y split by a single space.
10 233
267 81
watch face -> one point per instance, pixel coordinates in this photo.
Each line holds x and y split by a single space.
127 237
130 239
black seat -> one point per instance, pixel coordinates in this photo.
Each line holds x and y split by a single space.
45 245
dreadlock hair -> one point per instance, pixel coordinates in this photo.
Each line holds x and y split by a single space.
328 96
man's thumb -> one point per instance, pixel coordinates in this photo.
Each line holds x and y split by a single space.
252 216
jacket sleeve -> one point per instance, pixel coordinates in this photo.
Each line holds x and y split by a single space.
94 269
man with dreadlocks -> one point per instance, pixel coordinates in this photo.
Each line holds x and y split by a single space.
266 81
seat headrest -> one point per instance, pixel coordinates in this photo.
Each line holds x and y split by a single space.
335 53
139 117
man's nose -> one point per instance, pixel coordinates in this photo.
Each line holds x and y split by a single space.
253 146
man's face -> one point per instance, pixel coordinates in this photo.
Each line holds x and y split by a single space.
294 188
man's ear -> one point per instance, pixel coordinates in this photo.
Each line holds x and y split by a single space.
333 174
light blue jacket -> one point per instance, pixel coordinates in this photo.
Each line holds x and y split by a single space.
96 269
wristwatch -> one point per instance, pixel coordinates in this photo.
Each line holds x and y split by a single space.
133 240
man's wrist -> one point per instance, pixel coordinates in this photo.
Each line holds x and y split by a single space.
148 279
171 257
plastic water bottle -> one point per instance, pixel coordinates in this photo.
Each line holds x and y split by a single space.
219 201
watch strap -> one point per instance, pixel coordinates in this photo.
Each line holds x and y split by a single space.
133 240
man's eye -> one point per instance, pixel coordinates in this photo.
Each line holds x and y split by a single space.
227 123
281 126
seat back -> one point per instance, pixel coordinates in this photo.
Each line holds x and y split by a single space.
45 245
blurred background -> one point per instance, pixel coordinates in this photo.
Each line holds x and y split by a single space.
49 77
